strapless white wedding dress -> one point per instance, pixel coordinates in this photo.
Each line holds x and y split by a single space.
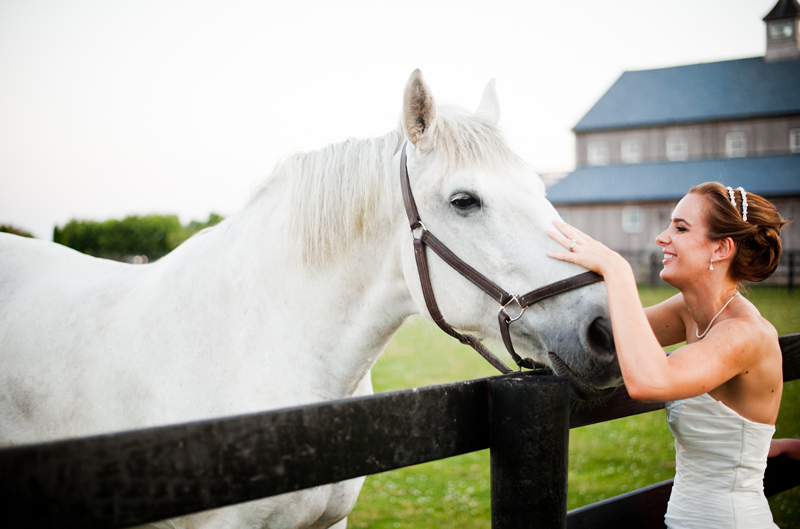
721 457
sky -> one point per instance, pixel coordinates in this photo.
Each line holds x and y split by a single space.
109 109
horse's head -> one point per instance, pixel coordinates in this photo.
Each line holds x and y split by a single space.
490 209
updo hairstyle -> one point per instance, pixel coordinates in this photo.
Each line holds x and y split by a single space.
758 239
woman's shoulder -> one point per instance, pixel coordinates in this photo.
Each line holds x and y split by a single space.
750 342
749 320
748 332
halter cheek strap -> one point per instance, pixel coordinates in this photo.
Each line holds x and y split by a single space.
509 303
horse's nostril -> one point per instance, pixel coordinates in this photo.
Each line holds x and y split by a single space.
600 341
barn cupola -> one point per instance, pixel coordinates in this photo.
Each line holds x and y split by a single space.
783 23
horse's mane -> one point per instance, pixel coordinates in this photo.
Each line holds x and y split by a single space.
464 139
339 194
336 195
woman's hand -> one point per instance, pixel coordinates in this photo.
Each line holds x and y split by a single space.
583 250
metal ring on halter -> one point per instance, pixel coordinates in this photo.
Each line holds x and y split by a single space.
571 246
504 309
421 226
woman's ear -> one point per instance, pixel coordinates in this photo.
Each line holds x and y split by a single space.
726 249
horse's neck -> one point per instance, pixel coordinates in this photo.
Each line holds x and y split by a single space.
319 328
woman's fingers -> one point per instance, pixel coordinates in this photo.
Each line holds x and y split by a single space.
566 235
559 237
583 250
564 228
580 251
572 232
562 256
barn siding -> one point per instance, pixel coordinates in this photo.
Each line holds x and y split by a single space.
765 136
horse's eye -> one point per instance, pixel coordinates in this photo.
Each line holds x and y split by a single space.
464 201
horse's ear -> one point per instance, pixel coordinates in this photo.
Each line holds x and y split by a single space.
489 109
419 112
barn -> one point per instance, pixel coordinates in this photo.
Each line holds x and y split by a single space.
656 133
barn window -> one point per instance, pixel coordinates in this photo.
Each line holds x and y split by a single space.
631 151
736 144
781 29
632 219
598 153
794 140
677 148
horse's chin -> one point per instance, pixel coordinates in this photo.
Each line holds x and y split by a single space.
580 388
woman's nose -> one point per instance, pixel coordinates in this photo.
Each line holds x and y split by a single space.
662 239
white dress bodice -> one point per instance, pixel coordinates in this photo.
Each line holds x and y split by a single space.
721 458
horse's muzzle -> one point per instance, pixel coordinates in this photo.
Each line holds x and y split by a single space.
594 373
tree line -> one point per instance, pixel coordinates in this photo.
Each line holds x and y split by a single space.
7 228
151 235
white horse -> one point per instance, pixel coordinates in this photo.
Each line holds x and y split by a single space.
292 300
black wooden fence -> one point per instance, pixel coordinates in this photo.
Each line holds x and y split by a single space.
132 478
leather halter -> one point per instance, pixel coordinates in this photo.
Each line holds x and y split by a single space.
506 300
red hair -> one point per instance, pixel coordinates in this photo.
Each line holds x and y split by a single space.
757 240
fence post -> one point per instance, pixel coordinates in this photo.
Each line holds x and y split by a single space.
529 422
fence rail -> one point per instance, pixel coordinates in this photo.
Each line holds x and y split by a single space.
131 478
135 477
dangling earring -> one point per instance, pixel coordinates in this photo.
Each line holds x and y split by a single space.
711 267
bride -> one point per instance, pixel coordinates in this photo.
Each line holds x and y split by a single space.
723 388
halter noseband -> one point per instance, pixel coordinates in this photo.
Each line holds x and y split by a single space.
506 300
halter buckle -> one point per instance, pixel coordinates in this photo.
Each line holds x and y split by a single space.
420 226
504 309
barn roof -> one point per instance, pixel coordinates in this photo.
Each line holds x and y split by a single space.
769 176
742 88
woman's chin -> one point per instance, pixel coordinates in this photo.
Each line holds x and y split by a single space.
667 277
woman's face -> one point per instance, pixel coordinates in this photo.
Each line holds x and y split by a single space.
687 251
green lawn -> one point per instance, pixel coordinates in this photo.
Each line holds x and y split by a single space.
604 459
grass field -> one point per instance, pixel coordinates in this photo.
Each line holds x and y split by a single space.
604 460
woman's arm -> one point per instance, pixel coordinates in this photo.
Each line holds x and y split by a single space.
790 447
649 374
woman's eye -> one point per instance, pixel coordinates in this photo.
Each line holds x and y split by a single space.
680 229
464 201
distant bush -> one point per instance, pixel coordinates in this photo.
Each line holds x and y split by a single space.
150 235
5 228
